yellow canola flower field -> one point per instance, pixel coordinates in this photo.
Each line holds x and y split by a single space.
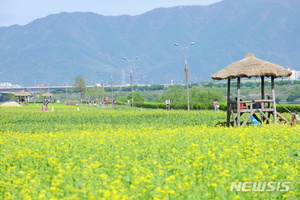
104 153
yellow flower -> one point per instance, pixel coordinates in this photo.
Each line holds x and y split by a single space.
171 192
214 185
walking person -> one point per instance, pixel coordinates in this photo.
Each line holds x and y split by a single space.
106 101
46 104
216 105
168 104
115 102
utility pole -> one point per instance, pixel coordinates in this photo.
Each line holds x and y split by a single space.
131 78
186 70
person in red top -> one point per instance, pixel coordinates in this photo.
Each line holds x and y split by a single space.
243 106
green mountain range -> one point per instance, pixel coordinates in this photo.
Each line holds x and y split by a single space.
54 49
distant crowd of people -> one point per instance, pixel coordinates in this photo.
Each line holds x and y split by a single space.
105 102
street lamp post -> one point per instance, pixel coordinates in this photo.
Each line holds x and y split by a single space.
186 70
131 78
102 83
67 96
131 83
111 88
111 83
66 83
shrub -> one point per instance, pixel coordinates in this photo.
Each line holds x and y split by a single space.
71 102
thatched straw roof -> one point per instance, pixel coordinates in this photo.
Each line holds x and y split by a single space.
47 94
22 94
251 67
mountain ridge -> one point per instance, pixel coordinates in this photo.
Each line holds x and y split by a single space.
54 49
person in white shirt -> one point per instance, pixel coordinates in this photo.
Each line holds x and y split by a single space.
168 104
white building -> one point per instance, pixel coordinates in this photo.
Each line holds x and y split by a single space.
295 75
8 85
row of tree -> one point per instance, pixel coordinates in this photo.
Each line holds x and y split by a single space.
251 84
205 93
176 93
198 94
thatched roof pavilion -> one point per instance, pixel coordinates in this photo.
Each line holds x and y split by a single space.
23 94
249 67
47 94
23 97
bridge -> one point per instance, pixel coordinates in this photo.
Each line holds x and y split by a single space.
4 90
33 89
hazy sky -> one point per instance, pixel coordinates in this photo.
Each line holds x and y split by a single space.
24 11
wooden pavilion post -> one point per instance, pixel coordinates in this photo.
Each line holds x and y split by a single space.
238 101
228 103
262 95
262 87
273 97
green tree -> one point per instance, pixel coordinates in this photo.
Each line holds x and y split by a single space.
294 93
205 95
197 95
80 86
156 87
40 97
122 99
176 94
137 97
95 93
